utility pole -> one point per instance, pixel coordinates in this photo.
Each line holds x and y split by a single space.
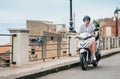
71 28
116 18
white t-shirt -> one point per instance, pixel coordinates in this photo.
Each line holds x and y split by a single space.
88 29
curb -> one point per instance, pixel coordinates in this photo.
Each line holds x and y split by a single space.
44 73
57 69
108 55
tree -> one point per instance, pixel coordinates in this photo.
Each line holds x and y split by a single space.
97 23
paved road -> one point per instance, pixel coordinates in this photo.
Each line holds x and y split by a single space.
109 68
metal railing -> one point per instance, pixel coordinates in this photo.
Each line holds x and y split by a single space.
6 53
47 47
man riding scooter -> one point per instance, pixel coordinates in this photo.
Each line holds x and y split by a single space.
88 27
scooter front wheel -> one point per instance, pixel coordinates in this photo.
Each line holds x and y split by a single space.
83 62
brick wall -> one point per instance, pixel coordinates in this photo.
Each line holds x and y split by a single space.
111 23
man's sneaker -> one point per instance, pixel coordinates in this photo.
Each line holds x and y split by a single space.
94 58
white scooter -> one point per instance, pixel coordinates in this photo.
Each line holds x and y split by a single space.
85 51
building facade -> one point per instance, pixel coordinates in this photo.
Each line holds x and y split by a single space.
41 27
51 31
108 27
38 27
61 29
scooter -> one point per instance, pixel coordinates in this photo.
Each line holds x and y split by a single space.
85 54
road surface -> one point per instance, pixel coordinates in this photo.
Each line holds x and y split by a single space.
108 68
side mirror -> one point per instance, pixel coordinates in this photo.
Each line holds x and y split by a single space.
96 29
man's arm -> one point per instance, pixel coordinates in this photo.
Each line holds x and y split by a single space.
78 33
96 32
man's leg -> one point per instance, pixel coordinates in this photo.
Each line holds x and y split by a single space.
93 49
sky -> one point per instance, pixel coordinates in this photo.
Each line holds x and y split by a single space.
14 13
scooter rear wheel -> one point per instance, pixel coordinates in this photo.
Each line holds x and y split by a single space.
95 64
